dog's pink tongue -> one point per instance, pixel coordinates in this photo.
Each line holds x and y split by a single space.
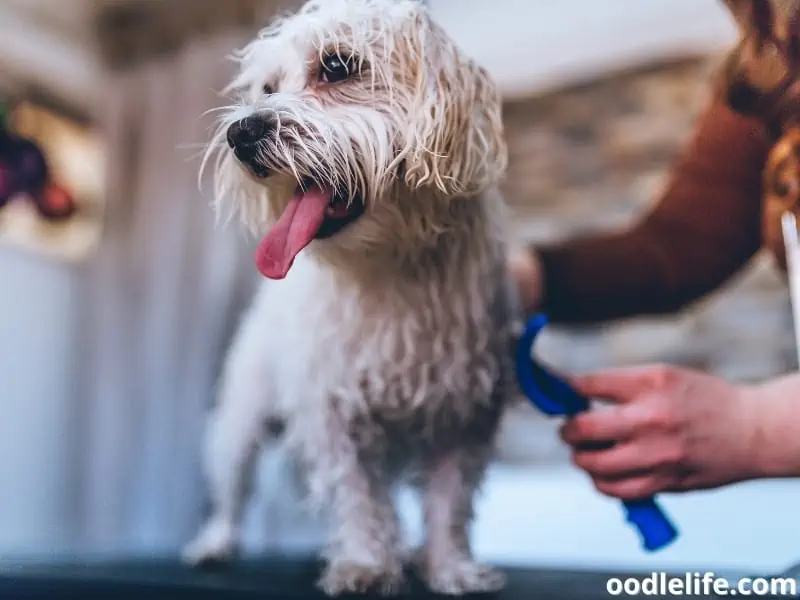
295 229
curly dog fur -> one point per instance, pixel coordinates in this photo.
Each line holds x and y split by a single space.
385 348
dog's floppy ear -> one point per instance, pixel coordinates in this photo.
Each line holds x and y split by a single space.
454 139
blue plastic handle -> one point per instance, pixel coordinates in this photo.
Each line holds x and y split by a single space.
554 397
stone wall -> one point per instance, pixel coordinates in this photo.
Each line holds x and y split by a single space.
594 157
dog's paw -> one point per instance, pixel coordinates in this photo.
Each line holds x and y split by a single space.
461 576
216 543
349 577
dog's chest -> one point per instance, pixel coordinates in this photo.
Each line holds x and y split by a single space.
406 357
422 359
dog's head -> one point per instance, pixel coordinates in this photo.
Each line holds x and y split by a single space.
356 123
760 74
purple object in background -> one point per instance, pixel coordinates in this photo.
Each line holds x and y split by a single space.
6 185
24 171
23 167
31 169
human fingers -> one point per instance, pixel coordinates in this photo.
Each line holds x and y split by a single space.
598 427
627 458
633 487
624 384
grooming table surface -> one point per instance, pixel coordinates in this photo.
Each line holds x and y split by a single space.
265 579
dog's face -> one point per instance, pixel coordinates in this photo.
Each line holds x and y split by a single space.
356 123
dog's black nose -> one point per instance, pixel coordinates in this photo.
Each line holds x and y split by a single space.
247 132
245 137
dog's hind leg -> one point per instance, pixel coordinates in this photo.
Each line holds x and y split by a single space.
237 426
231 450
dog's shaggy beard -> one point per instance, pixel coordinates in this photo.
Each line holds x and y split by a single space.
308 145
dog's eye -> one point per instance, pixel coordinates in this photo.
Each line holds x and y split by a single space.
335 68
267 89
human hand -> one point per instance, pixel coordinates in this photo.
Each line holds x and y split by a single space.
668 429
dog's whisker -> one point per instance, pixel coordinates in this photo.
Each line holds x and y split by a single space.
219 109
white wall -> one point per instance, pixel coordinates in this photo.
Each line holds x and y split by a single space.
37 308
65 66
37 328
533 45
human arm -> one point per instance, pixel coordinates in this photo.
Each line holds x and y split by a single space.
777 446
703 229
673 429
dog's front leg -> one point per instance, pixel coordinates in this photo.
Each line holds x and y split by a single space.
446 561
364 550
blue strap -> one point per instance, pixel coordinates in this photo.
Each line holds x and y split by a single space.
554 397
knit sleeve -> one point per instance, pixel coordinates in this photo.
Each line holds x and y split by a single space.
704 228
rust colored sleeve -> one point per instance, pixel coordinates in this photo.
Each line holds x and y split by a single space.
704 228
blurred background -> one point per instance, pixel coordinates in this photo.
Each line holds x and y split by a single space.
116 314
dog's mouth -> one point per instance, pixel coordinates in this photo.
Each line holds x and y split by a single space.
314 212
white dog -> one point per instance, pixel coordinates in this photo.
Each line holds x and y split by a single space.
369 148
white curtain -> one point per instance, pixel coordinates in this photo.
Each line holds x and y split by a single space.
162 298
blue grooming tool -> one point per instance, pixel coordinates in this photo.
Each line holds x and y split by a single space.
554 397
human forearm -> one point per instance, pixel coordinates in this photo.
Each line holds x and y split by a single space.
773 409
611 276
703 229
